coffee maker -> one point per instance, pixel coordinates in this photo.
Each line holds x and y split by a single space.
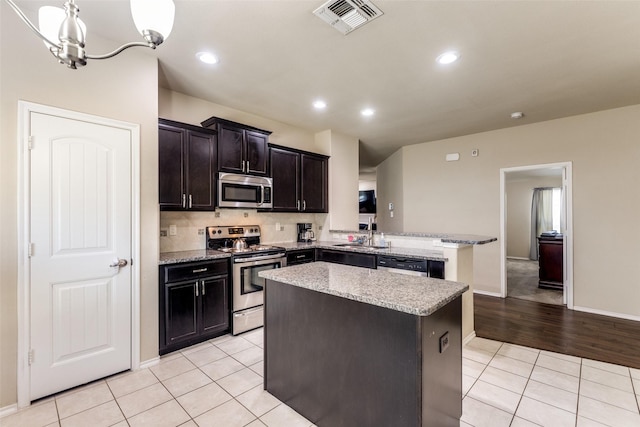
305 234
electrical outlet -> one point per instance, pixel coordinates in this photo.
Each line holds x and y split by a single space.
163 232
390 206
173 230
217 214
475 152
278 226
200 231
444 342
246 215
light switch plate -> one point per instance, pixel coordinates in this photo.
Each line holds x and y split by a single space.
444 342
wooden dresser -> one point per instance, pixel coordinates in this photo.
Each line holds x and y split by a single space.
550 261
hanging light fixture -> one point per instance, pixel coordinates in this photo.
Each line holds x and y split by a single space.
63 32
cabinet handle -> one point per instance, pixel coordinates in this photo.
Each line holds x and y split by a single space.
247 166
297 204
197 288
203 288
300 256
304 205
190 201
184 200
200 270
242 165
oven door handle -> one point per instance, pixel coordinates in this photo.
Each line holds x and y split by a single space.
258 258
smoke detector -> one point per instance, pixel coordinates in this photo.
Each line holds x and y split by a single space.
347 15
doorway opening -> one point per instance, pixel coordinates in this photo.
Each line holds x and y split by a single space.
536 233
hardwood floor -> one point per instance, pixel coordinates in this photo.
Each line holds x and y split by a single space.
555 328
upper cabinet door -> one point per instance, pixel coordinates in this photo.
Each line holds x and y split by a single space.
315 183
172 186
201 170
230 149
285 172
256 153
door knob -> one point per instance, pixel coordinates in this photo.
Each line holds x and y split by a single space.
118 262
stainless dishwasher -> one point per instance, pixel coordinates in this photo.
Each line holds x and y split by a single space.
412 266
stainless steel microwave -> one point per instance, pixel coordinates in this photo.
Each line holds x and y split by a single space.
244 191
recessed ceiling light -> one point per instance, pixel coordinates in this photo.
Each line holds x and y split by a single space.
517 115
207 57
367 112
448 57
319 104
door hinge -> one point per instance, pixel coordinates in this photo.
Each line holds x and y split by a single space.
31 357
30 249
30 142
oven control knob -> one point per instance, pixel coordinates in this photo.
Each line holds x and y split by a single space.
219 231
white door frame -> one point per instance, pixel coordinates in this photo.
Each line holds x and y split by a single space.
568 232
24 312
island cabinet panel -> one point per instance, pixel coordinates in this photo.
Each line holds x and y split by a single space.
344 363
242 149
187 167
300 180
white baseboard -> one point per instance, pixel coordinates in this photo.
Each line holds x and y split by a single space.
149 363
468 338
8 410
490 294
607 313
519 258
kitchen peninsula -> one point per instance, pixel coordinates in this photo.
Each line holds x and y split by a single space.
348 346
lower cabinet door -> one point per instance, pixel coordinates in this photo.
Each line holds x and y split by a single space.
215 305
181 323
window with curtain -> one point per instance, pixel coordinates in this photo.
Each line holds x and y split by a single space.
546 215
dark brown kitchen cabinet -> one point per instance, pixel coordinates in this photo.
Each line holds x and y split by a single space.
241 149
187 166
301 256
194 303
348 258
300 180
550 260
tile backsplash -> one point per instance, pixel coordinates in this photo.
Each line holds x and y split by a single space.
190 226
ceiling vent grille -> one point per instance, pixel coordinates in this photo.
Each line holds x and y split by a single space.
347 15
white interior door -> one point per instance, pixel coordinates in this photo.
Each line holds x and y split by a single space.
80 229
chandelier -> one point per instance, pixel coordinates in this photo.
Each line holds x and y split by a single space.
63 32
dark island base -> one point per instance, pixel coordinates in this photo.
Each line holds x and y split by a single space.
340 362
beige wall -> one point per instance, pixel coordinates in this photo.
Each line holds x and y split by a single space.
390 189
123 88
464 197
343 182
519 194
187 109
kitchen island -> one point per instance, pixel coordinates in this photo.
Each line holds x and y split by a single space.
349 346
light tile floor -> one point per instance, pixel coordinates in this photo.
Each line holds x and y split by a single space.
219 383
509 385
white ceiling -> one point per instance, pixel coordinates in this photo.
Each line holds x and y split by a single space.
549 59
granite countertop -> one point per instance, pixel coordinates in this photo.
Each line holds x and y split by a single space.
464 239
433 255
414 295
203 255
186 256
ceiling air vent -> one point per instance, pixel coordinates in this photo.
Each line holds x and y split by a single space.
347 15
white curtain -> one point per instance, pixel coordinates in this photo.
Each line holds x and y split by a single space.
541 217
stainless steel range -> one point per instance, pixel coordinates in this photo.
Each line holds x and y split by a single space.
248 258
